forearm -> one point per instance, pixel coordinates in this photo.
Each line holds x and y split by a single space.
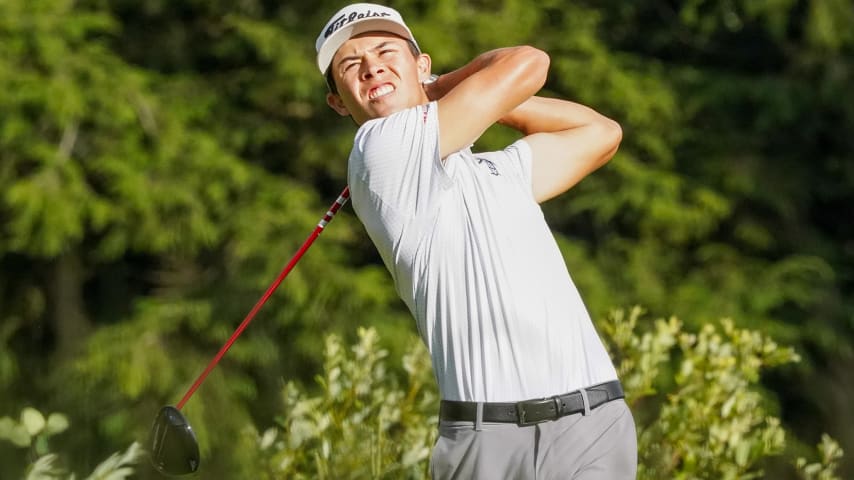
568 141
546 115
448 81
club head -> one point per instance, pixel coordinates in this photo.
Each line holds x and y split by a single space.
172 443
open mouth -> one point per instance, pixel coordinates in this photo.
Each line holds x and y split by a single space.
380 91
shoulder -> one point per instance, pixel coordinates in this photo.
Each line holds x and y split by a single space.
398 127
393 141
394 145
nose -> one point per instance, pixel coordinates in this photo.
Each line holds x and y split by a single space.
372 67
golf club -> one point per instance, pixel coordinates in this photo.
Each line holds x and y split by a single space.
172 442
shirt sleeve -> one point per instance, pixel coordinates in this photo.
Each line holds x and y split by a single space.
522 159
516 161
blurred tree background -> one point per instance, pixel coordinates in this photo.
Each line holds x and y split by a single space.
161 160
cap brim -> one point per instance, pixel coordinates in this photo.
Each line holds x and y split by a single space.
334 42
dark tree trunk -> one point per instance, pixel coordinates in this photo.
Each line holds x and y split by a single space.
68 316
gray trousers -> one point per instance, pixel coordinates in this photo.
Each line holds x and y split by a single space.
598 446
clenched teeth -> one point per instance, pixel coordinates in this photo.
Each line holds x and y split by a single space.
380 91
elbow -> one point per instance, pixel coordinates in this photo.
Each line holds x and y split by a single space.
612 136
615 134
541 62
534 67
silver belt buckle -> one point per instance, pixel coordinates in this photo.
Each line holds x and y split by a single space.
532 412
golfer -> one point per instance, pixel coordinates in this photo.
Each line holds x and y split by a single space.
528 390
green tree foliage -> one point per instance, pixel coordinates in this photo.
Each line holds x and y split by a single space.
161 160
135 216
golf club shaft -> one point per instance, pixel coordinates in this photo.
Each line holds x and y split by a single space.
342 199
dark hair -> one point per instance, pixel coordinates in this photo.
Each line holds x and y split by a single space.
330 80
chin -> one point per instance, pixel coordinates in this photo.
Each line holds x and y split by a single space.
386 111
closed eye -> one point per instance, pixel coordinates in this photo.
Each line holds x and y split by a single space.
349 65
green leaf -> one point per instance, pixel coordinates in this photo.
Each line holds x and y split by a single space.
56 423
33 421
119 465
45 468
14 432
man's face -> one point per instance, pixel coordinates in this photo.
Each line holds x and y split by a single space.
376 76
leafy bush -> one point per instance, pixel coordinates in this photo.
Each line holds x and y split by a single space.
696 398
32 432
711 420
364 423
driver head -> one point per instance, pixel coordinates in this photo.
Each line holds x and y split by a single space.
172 443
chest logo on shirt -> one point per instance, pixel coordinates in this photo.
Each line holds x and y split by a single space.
493 170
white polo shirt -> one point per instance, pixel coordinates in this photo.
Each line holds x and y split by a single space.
474 260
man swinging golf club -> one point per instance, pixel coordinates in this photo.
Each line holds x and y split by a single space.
527 387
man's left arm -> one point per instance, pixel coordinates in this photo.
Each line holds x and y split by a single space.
568 141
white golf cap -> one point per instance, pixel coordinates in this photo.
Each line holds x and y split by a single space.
353 20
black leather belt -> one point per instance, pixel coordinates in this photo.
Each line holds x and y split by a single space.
529 412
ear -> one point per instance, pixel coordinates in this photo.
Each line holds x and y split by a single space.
335 102
424 63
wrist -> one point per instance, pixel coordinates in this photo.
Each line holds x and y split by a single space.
431 87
